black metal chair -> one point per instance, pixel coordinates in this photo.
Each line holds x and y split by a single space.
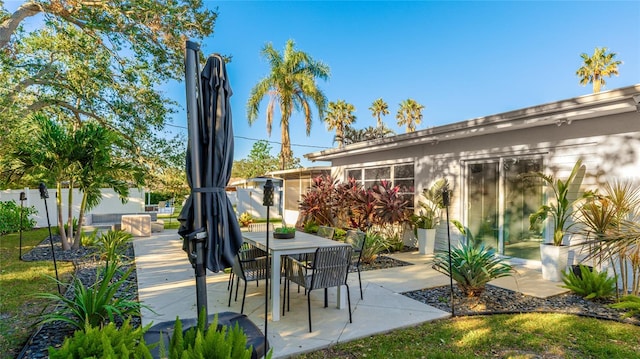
250 265
357 240
329 268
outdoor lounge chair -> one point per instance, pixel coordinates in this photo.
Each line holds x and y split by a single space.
329 268
357 241
250 264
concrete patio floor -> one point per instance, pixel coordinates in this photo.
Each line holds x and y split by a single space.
166 283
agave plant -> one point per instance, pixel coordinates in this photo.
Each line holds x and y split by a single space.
472 267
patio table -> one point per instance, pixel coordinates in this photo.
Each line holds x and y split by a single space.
302 243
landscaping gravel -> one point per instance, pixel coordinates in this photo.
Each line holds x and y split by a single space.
493 300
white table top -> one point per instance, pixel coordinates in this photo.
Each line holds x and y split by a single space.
302 242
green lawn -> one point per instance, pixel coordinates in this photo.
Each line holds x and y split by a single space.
19 281
500 336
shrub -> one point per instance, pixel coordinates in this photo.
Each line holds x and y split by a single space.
89 240
589 284
245 219
211 342
94 305
113 244
105 342
10 217
319 203
311 227
339 234
630 303
472 267
374 244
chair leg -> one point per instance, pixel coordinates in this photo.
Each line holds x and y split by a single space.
309 308
284 297
230 280
238 286
326 298
360 281
349 302
244 295
230 293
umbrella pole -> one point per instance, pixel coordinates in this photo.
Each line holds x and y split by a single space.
193 110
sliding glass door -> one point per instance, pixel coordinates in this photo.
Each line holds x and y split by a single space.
501 194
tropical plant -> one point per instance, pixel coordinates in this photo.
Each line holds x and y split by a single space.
338 116
596 67
590 284
409 114
212 341
631 303
311 227
113 245
245 219
291 84
466 233
95 304
472 267
374 243
12 217
429 215
378 109
317 204
105 342
352 135
91 239
565 195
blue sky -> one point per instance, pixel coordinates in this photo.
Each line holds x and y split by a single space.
460 60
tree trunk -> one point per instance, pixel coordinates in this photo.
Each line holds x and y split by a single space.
70 214
63 234
9 26
78 237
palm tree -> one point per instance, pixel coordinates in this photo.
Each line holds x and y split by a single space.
596 67
291 85
339 115
409 114
378 109
352 135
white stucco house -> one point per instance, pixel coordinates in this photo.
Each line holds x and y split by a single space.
484 160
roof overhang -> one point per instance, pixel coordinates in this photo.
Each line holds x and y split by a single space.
607 103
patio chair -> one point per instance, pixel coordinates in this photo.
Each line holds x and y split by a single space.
259 227
329 268
326 232
250 264
357 240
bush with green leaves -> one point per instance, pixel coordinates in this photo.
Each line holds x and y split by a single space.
105 342
472 267
113 244
96 304
10 217
339 234
245 219
631 303
311 227
590 284
374 243
89 240
209 342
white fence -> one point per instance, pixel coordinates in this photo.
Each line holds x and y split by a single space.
250 200
110 203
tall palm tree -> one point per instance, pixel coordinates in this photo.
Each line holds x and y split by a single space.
290 85
409 114
378 109
596 67
339 115
352 135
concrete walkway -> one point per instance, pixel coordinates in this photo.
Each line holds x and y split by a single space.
166 283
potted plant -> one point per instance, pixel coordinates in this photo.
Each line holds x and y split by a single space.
284 232
555 254
428 218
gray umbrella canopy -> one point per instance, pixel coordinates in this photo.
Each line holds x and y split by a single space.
208 222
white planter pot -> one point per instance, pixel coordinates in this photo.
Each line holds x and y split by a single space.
554 261
426 240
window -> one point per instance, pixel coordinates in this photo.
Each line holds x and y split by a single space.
399 175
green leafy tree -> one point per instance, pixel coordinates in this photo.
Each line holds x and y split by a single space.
596 67
378 109
98 60
353 135
258 163
409 114
339 115
291 85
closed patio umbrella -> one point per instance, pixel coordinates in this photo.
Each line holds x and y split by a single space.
208 222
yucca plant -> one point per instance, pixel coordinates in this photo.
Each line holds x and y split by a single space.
589 284
113 244
96 304
472 267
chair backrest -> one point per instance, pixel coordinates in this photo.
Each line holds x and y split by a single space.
259 227
357 240
245 262
331 266
326 232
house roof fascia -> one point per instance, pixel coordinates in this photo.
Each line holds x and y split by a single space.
561 112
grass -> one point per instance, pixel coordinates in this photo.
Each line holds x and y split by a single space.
500 336
19 281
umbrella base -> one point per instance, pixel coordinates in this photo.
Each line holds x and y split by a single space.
163 331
